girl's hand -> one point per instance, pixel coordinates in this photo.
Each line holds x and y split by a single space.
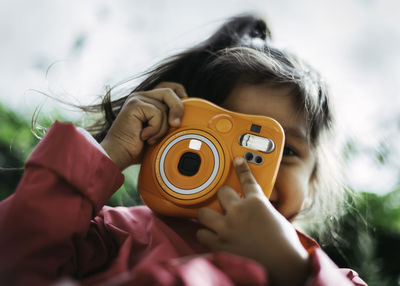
144 117
253 228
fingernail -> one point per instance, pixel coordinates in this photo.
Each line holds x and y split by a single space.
238 161
176 122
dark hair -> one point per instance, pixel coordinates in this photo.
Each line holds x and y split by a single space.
241 51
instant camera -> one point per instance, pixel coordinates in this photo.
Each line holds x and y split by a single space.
184 171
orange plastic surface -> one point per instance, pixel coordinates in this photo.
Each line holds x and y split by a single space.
220 128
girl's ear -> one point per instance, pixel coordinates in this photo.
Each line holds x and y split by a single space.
235 30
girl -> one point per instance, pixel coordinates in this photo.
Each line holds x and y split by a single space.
55 226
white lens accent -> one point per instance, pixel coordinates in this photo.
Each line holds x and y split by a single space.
210 179
257 143
195 144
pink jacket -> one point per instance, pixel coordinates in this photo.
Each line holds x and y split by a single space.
55 227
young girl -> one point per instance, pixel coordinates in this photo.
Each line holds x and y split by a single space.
56 226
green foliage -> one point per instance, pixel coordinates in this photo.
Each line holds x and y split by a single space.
369 239
15 134
16 142
127 195
382 216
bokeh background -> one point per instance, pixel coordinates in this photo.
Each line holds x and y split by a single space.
74 49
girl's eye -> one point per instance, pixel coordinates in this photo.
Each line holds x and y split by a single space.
289 151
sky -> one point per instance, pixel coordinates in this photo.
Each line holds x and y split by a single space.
74 49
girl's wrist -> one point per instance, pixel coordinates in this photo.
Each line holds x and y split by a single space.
115 155
293 270
298 272
302 269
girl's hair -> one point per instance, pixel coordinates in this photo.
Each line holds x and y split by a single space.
241 51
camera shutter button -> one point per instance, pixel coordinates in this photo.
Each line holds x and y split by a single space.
223 125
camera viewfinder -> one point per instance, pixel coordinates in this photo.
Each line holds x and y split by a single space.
255 128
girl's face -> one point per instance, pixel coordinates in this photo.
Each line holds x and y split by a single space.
293 182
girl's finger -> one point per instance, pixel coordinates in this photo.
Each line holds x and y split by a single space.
160 128
211 219
247 181
207 238
171 99
163 129
151 115
227 197
176 87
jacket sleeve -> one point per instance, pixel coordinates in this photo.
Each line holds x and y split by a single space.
66 182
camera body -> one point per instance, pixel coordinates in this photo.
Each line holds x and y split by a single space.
184 171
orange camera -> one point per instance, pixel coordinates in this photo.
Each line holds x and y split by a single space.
183 172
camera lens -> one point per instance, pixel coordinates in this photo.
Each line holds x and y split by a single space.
249 156
189 164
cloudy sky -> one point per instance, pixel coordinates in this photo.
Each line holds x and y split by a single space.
76 48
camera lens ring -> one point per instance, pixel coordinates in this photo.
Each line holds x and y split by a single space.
210 179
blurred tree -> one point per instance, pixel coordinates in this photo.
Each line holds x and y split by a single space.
369 239
16 142
127 195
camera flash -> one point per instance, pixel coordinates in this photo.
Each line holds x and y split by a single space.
195 144
257 143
